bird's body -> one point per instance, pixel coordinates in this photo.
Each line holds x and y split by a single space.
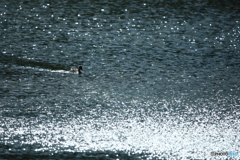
77 70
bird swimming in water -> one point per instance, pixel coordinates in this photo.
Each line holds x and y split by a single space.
77 70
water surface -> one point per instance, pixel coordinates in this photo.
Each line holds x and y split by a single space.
160 81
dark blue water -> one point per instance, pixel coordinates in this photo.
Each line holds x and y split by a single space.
160 81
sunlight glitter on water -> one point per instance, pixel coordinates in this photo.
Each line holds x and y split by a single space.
160 136
162 78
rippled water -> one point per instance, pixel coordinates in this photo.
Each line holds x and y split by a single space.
160 81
